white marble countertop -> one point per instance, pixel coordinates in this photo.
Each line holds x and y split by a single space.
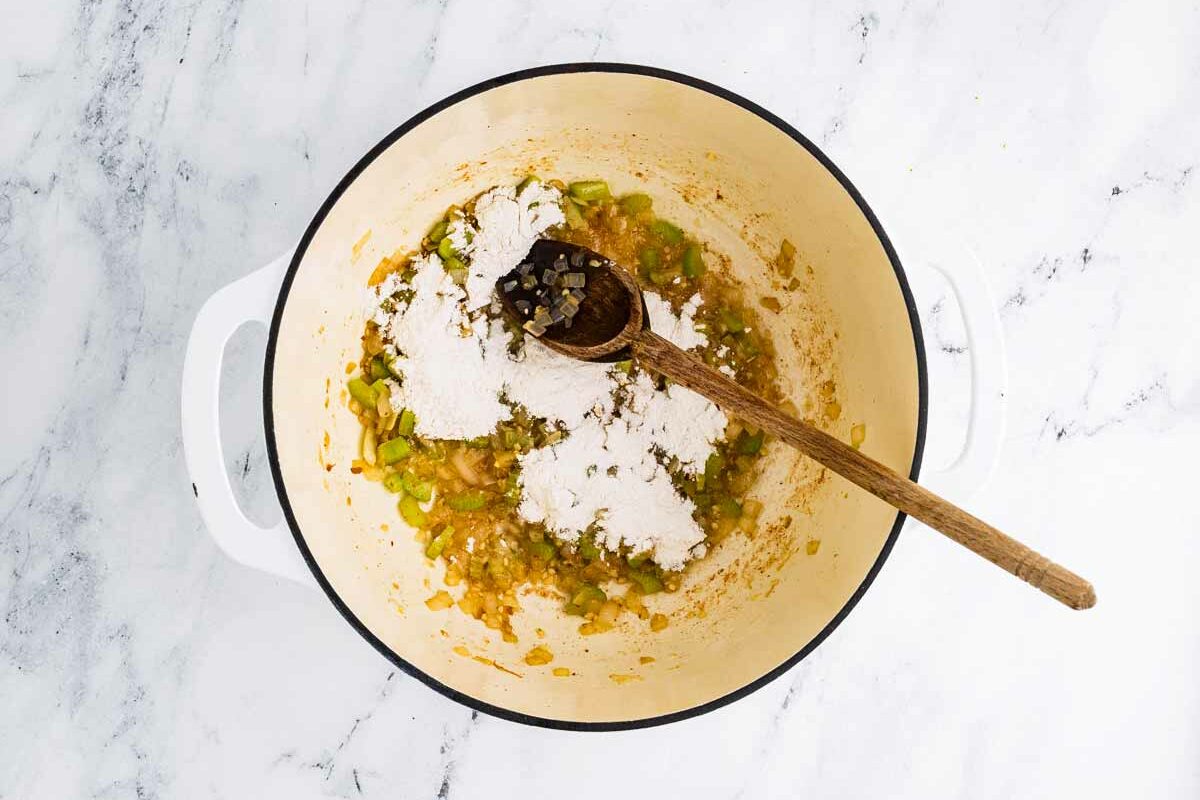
152 152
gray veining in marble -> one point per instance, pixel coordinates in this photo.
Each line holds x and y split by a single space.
151 152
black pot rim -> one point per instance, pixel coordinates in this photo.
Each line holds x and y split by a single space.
268 411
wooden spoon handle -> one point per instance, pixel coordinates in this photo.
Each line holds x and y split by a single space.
976 535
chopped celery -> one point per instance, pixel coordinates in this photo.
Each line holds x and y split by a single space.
693 261
379 368
411 511
589 598
625 366
543 550
730 508
587 548
361 391
479 442
713 467
392 451
438 543
732 320
635 203
469 500
407 423
668 232
747 347
446 249
589 191
422 490
475 571
526 182
499 572
663 276
574 219
393 482
512 489
647 582
438 231
651 261
750 445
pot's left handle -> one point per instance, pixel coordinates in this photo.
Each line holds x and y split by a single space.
251 299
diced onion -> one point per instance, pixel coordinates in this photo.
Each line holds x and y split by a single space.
369 443
465 469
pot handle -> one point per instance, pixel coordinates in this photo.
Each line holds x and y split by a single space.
986 423
250 299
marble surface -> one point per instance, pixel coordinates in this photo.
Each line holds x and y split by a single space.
152 152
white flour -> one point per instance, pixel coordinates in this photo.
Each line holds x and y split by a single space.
569 487
681 422
556 387
458 373
448 384
679 330
507 226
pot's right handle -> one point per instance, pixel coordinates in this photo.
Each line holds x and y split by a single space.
986 422
251 299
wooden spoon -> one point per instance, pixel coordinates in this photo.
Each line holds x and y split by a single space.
606 320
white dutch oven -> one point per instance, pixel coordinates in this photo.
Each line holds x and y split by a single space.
750 610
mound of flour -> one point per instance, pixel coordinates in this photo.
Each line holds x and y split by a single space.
460 380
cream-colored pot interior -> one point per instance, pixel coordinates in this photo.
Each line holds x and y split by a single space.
738 182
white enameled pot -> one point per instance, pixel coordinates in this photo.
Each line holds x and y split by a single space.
742 180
